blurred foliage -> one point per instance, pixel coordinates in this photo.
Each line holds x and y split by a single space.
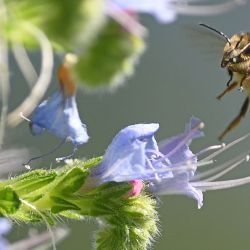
65 24
82 28
114 44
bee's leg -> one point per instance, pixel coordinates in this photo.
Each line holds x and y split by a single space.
230 87
230 77
241 82
237 119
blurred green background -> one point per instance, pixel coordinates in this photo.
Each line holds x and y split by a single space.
176 78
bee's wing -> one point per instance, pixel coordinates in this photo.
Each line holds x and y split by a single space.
209 42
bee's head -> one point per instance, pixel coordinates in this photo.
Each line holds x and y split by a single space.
236 50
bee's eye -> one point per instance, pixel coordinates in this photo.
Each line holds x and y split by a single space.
246 50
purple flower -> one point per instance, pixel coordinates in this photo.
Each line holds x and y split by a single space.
59 115
169 169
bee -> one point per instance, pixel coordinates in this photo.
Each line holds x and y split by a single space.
236 59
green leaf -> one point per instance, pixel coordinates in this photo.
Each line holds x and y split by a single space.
60 205
9 201
115 45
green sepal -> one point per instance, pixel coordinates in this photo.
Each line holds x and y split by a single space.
65 24
71 181
104 199
60 205
91 162
133 225
114 190
114 44
34 198
73 215
9 201
31 216
31 181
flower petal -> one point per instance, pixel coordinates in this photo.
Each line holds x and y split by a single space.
60 117
177 185
177 148
125 158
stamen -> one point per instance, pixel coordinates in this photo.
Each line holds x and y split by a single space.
206 186
226 147
227 170
185 139
153 169
203 10
24 117
184 166
211 148
154 152
187 165
221 169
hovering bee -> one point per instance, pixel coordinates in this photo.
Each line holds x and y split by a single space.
236 59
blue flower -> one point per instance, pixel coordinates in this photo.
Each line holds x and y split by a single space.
167 169
125 159
59 115
178 154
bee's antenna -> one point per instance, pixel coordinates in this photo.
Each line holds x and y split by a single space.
217 31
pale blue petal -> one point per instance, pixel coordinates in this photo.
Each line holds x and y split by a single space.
59 115
125 158
177 185
177 151
181 150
